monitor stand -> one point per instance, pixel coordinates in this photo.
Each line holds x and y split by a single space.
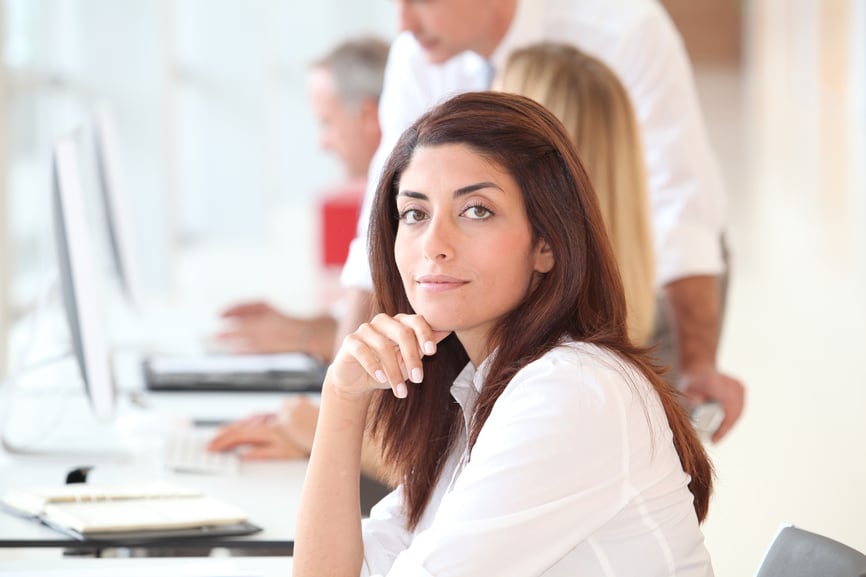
57 421
37 429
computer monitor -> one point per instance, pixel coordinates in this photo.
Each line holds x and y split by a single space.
78 281
121 236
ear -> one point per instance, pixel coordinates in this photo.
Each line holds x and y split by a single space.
368 111
544 260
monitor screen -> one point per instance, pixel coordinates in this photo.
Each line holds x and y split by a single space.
120 233
78 281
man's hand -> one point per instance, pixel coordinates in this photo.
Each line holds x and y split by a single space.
709 384
693 308
257 327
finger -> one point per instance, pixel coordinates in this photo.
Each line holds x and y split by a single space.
252 420
414 338
240 436
733 406
723 429
242 309
425 335
259 419
379 355
227 335
358 351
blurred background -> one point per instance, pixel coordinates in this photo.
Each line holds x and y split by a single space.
221 169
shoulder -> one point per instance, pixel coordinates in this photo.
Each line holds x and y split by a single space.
616 17
577 378
582 365
614 30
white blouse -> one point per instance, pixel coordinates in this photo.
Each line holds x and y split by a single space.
574 473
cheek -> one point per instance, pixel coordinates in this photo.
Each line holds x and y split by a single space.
403 258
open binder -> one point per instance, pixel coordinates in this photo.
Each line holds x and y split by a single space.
129 513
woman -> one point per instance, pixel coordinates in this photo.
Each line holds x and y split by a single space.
529 436
595 108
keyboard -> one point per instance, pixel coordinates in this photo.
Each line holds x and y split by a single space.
187 452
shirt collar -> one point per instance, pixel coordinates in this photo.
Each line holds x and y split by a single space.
472 377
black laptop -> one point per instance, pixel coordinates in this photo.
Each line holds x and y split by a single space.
286 372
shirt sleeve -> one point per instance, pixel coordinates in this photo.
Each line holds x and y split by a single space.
686 192
550 467
385 535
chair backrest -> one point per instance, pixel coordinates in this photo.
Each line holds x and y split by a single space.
798 553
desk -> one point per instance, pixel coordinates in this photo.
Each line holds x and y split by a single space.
146 567
269 492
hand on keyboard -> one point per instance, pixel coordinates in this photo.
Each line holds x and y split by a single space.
187 451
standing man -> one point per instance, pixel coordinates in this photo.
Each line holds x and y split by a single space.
451 46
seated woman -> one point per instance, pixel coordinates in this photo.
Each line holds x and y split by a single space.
529 436
597 113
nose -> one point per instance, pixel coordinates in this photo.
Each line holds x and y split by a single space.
437 242
406 16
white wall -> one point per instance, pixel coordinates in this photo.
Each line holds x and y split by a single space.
209 100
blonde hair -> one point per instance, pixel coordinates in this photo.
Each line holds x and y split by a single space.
594 107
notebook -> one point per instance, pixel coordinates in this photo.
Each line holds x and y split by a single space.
134 511
286 372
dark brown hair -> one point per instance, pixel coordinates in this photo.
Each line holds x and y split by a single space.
581 297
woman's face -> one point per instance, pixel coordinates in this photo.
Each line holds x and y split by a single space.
464 244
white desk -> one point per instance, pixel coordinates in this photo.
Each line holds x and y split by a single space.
268 492
147 567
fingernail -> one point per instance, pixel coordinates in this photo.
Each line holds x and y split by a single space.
417 375
401 391
429 347
380 376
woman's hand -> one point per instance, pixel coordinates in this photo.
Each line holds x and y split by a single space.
381 354
259 437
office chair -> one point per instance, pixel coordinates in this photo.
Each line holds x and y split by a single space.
798 553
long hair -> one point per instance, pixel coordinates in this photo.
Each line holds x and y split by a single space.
596 111
581 297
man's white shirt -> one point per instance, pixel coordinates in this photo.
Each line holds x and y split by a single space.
638 41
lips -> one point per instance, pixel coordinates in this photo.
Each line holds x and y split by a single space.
438 282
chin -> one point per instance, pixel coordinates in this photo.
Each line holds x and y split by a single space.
438 55
438 320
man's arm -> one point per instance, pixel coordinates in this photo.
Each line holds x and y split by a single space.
693 307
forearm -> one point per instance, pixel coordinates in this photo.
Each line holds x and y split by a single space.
693 308
329 520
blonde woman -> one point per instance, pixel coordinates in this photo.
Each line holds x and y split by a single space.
593 105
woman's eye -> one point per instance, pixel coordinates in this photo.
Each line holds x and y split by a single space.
477 212
412 216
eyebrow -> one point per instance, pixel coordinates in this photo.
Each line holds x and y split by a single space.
464 190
